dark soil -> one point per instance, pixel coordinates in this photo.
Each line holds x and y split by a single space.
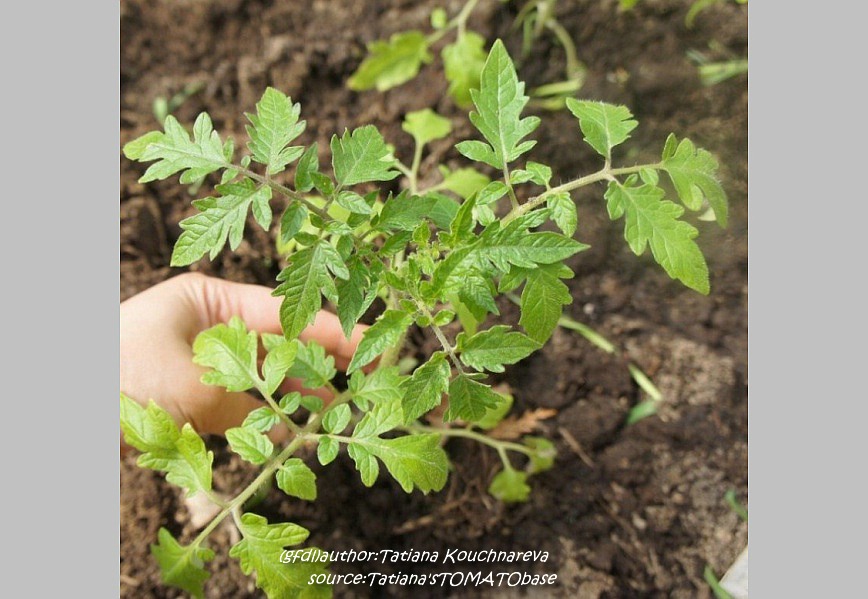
634 511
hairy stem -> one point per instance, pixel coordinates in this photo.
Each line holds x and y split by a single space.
500 446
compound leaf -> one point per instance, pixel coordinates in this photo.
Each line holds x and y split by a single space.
391 63
424 390
499 102
250 444
510 486
381 335
462 62
693 172
469 400
230 350
182 566
491 349
303 282
274 126
297 480
542 302
604 125
426 125
652 220
415 461
362 156
312 365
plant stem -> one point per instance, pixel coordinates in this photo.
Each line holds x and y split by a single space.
438 332
414 170
605 173
512 199
283 189
500 446
270 468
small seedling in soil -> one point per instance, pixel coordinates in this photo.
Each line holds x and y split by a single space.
435 255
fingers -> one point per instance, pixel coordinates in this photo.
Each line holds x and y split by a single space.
230 410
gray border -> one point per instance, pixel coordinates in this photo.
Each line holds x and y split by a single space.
60 104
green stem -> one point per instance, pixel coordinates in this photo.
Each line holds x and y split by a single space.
414 170
282 189
273 465
512 199
601 175
500 446
438 332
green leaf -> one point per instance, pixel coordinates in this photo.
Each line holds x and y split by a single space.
499 102
250 444
424 391
652 220
494 415
426 125
304 281
384 333
510 486
275 125
382 386
477 294
362 156
353 202
337 419
289 403
415 461
564 212
693 172
391 63
230 350
544 454
182 566
513 245
174 151
293 219
540 173
277 363
542 303
147 429
307 164
604 125
469 400
312 365
261 419
260 551
355 294
221 219
491 349
463 61
405 212
297 480
463 181
327 450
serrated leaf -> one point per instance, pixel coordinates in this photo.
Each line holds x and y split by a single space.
250 444
261 419
297 480
147 429
464 181
542 302
289 403
564 212
337 419
260 551
312 403
362 156
327 450
355 294
693 172
463 61
426 125
499 102
312 365
405 212
477 294
221 219
493 416
275 125
604 125
174 151
384 333
652 220
353 202
382 386
415 461
540 173
510 486
424 391
491 349
391 63
230 350
303 282
276 364
182 566
307 164
469 400
513 245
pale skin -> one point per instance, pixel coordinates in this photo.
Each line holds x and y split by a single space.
158 327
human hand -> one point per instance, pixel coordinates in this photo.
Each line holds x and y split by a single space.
158 327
